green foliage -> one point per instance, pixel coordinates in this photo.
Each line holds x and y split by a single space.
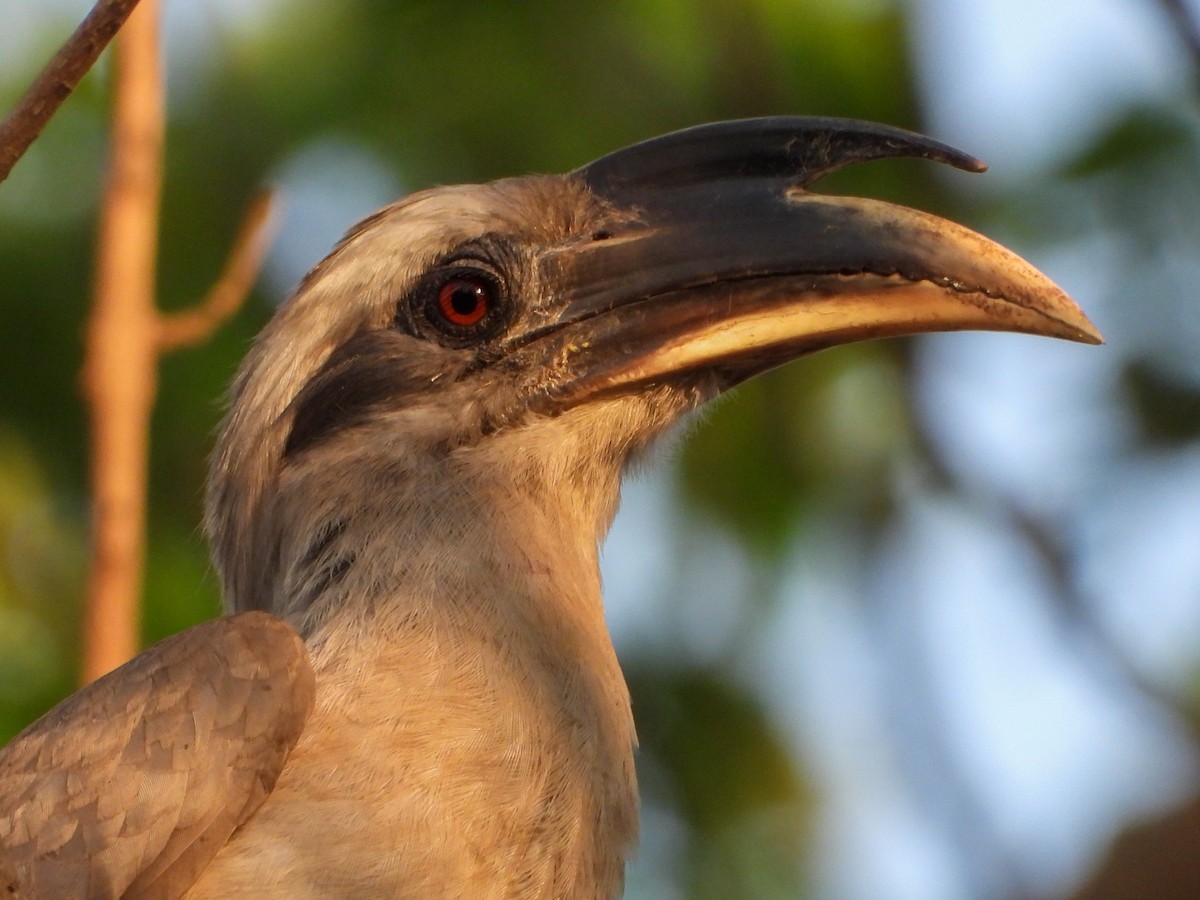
811 437
708 750
1168 409
1139 140
40 577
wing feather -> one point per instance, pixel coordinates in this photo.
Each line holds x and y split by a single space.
129 787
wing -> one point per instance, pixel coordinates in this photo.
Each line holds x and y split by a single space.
131 786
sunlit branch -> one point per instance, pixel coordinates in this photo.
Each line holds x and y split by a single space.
120 354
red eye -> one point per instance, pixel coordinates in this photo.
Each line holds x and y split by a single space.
465 300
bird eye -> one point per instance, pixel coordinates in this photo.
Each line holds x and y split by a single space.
460 303
465 300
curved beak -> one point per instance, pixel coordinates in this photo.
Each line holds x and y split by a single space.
713 254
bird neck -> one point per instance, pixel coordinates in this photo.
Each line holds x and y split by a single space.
461 599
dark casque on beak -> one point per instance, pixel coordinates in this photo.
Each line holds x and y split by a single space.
716 255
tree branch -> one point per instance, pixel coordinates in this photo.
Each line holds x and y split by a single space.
190 327
58 79
120 357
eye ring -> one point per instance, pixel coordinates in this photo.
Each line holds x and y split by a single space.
461 304
464 300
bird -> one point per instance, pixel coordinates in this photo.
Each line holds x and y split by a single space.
413 692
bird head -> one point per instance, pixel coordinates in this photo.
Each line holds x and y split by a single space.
531 335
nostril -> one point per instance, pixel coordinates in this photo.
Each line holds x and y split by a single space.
601 235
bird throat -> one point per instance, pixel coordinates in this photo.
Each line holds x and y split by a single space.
472 676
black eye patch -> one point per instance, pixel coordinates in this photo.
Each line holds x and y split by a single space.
370 373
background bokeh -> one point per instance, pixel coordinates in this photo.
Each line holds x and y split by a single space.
912 619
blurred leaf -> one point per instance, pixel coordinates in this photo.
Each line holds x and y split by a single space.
1136 140
41 566
730 776
1168 409
814 435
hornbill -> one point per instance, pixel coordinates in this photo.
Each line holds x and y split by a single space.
415 694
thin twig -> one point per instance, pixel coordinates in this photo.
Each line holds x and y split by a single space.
1188 28
1067 599
58 79
190 327
1078 612
916 709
